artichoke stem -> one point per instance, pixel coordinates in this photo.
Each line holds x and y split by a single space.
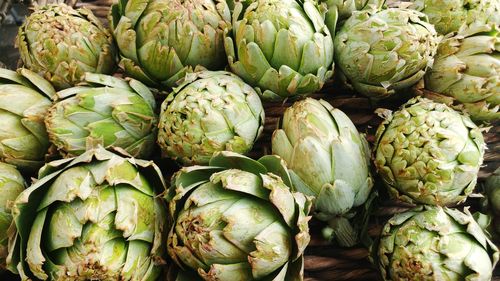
342 231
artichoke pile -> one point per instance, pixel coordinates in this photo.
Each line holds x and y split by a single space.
84 149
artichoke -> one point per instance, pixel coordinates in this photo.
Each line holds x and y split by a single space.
491 202
466 75
95 217
107 111
428 153
434 243
462 16
340 10
382 53
11 184
209 112
24 102
237 219
161 40
62 44
327 158
281 47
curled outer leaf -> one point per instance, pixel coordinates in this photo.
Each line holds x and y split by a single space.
61 44
236 219
161 40
382 52
281 47
428 153
209 112
98 216
434 243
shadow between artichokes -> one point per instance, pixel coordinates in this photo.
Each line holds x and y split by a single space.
209 111
25 99
61 44
428 153
281 47
106 111
434 243
161 40
489 219
95 217
327 158
237 219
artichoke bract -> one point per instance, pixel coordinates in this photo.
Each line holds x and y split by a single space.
11 185
329 159
428 153
105 111
161 40
237 219
381 53
463 16
25 99
434 243
95 217
466 75
209 112
281 47
62 43
340 10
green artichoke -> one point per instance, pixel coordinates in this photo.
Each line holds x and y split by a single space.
466 75
11 185
327 158
428 153
237 219
209 112
382 53
24 102
161 40
62 44
107 111
462 16
281 47
95 217
340 10
434 243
